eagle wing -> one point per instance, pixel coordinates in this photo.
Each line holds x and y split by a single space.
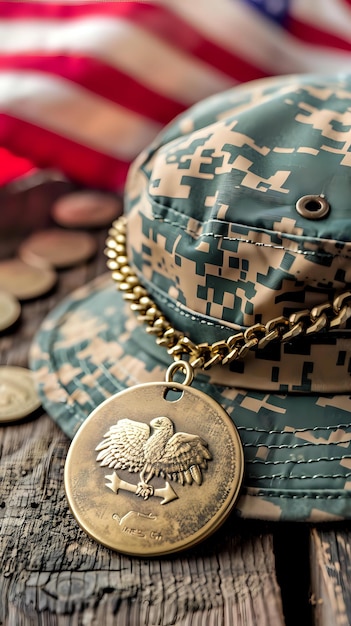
123 445
185 457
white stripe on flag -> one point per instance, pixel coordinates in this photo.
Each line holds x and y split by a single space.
249 34
68 110
123 45
332 16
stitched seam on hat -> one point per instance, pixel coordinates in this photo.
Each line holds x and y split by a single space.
193 317
298 461
199 319
258 243
303 477
313 496
296 445
292 432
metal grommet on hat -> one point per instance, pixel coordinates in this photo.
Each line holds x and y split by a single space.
313 207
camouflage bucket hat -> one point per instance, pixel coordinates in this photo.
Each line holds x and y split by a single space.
238 226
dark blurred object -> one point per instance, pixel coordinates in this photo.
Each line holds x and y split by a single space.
87 209
25 206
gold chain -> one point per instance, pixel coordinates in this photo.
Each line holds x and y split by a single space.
329 315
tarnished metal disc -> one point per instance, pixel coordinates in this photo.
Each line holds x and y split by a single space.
18 396
10 310
25 281
148 474
57 247
86 209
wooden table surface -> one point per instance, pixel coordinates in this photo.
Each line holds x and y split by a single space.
51 573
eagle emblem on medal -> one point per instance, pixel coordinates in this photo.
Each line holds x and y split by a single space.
151 450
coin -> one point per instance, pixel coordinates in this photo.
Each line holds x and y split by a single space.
56 247
18 397
146 475
10 310
86 209
25 281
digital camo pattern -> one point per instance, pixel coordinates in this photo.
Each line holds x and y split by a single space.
214 232
215 237
297 450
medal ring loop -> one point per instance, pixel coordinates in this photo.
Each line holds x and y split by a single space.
185 367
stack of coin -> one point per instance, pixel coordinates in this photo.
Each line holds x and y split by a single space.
30 275
33 273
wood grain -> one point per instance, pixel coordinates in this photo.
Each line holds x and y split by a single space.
50 567
331 576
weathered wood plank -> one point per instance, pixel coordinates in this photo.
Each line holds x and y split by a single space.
331 576
51 568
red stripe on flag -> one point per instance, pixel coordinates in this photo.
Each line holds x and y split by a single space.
47 150
51 10
316 36
184 36
101 79
153 18
12 167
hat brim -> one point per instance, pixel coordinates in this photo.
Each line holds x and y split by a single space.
296 446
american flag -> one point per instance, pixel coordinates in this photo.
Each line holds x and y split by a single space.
85 86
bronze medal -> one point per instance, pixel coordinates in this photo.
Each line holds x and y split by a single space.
158 467
150 474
